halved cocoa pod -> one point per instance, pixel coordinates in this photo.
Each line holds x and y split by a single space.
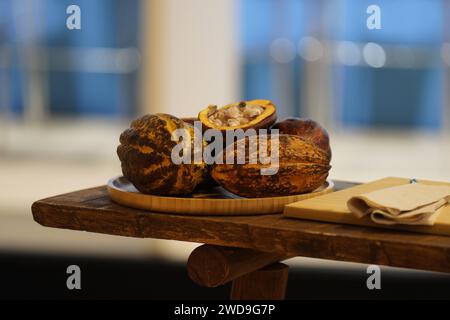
254 114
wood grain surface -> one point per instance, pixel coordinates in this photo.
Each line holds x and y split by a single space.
92 210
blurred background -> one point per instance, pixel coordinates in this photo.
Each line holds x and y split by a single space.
65 95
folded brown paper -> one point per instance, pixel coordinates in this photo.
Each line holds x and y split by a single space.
413 204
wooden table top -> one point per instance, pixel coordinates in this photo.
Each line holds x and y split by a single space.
92 210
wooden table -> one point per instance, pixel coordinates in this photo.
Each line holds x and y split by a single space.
246 249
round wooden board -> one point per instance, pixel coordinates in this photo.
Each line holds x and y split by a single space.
211 201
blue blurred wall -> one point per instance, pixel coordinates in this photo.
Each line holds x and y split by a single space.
105 23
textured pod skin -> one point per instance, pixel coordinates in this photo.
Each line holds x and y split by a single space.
308 129
303 167
145 153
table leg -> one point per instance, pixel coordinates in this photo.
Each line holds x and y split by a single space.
268 283
255 274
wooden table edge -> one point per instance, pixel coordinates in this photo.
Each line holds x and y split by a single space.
425 256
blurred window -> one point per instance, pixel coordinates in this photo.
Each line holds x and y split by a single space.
407 90
387 77
91 71
270 31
